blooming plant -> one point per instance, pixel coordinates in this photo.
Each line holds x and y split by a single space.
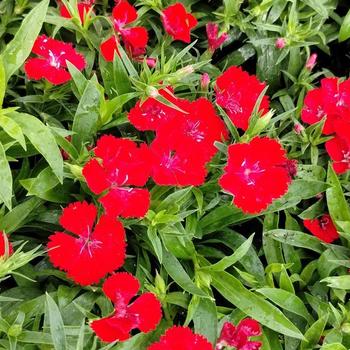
174 175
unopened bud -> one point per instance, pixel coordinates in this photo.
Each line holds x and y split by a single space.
298 128
280 43
205 81
310 64
152 91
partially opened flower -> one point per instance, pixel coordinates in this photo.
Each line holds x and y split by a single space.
134 38
84 7
178 22
214 39
237 92
181 338
91 248
6 248
144 313
257 173
238 337
323 228
52 64
121 164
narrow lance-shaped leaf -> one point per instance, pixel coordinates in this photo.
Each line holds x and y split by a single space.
21 45
5 179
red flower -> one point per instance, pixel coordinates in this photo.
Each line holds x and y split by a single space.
134 38
52 64
214 40
323 228
237 92
143 314
152 114
121 161
196 131
238 337
256 174
338 148
90 253
84 8
181 338
176 166
109 48
330 101
178 22
6 248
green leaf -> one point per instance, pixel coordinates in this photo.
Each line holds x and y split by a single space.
2 81
12 129
344 32
253 305
205 319
15 218
338 282
297 239
288 301
333 346
314 333
86 116
337 205
42 139
228 261
179 275
56 324
5 179
19 48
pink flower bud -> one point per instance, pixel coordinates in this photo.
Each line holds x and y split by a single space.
298 128
280 43
310 64
205 81
214 40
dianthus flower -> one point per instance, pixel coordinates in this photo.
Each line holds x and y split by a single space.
135 38
238 337
214 40
257 173
121 164
143 314
237 92
88 252
178 22
52 62
330 101
6 248
84 8
196 130
338 148
181 338
323 228
152 114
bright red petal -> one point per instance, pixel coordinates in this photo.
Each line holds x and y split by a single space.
123 13
148 309
78 217
5 245
110 329
135 40
126 202
121 284
109 48
95 176
249 327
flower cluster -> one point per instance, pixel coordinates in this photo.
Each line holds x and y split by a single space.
134 38
257 177
52 63
185 137
331 103
238 337
237 92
